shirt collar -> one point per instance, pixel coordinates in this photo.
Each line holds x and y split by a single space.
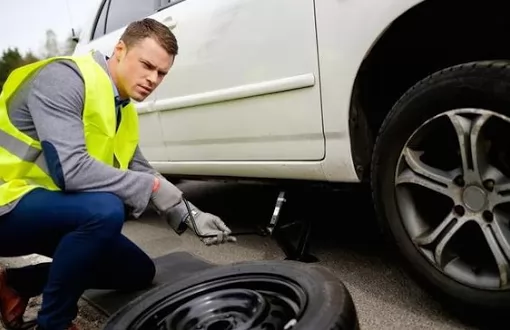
121 102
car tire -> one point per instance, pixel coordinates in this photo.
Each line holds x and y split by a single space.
480 93
325 302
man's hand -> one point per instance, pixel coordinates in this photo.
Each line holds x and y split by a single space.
209 224
168 201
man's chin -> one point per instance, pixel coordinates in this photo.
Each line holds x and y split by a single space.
138 97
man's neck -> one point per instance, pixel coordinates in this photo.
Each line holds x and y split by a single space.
111 65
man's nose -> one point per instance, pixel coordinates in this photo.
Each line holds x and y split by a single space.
153 77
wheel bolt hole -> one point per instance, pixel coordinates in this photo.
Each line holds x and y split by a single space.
459 181
488 216
459 210
489 185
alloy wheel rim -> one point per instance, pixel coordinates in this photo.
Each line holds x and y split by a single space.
455 205
259 302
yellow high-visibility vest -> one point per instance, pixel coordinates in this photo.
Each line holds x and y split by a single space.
22 163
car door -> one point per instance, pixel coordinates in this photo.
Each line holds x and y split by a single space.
111 20
245 84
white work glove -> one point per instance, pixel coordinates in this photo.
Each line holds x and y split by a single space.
168 201
209 224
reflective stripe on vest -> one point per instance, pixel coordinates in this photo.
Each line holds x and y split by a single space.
22 163
23 151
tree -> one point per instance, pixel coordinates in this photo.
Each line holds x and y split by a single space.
69 45
12 59
29 58
51 47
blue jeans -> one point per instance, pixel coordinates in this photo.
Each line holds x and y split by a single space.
81 232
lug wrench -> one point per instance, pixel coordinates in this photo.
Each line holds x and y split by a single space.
262 232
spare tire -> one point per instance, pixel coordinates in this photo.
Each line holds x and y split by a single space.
249 295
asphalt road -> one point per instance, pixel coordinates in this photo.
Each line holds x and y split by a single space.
345 239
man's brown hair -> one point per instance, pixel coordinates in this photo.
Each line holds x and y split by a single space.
150 28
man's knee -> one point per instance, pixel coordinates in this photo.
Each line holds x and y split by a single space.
144 274
149 273
108 214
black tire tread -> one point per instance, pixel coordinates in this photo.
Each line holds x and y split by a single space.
497 70
342 314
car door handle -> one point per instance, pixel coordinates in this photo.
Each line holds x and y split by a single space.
169 22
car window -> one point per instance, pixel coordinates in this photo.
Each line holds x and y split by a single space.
100 23
123 12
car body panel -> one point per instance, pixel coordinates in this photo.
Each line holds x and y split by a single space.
346 32
260 89
239 91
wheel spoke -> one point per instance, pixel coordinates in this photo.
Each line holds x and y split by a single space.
442 234
503 193
502 231
472 154
448 233
425 175
429 237
497 238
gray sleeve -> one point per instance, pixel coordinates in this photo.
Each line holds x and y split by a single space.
56 105
140 164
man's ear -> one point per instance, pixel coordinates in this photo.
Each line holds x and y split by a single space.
119 50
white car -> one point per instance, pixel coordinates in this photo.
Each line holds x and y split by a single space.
408 95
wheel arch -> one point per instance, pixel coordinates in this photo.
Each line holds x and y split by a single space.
427 37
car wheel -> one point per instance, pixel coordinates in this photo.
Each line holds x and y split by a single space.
441 182
250 295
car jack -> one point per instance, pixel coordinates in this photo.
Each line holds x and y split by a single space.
299 252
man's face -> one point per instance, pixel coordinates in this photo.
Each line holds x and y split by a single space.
141 69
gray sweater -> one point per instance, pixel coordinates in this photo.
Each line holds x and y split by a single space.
49 108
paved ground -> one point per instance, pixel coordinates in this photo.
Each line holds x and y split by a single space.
346 240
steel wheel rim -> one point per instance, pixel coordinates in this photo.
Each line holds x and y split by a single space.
464 232
230 303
